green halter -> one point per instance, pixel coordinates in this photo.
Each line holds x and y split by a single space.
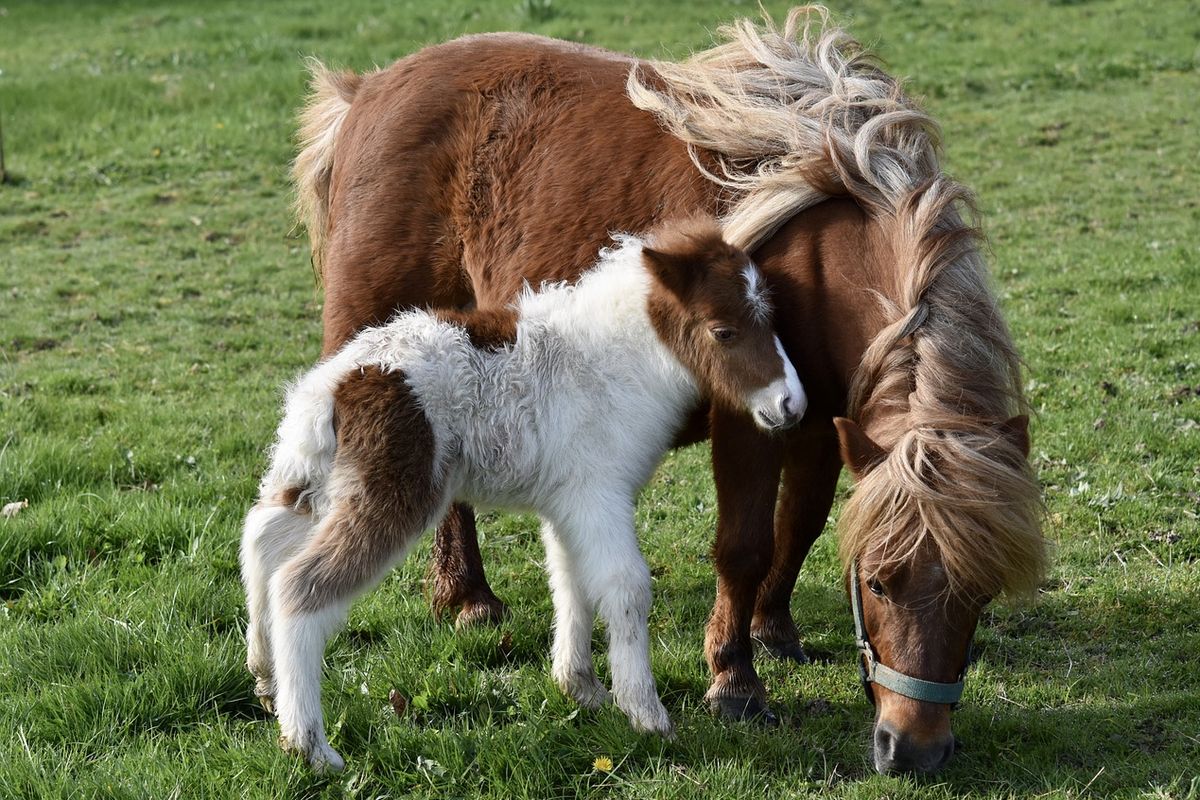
871 671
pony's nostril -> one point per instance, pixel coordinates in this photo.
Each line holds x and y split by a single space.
885 744
947 753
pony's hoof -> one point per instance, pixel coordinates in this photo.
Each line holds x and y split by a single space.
744 709
787 651
485 611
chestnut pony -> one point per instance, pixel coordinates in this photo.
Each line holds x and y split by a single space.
508 158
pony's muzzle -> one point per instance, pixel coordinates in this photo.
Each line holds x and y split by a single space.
896 752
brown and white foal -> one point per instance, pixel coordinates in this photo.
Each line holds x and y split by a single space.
563 404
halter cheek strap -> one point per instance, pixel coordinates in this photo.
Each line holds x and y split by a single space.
871 671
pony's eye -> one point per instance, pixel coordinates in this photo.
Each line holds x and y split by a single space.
876 587
723 334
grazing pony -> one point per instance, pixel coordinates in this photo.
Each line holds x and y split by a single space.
563 404
507 158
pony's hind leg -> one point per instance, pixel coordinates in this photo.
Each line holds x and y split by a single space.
574 617
613 575
274 531
456 570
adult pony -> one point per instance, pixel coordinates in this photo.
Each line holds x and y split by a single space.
488 153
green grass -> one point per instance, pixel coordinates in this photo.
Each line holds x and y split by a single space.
154 297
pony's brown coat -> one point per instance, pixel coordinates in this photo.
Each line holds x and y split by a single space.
487 328
490 177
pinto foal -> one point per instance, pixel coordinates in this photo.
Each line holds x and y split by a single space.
564 405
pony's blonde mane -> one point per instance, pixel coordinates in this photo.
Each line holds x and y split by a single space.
794 115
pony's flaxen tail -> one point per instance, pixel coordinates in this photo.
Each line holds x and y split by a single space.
320 120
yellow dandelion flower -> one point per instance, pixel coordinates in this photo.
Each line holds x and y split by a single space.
602 764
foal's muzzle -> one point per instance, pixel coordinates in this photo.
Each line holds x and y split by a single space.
782 403
781 411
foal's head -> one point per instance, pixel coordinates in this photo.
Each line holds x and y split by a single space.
709 304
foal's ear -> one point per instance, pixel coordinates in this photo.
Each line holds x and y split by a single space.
859 452
1016 430
672 270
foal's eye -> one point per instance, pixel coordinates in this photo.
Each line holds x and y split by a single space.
723 334
876 587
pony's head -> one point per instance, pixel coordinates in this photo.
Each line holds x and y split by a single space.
941 522
709 304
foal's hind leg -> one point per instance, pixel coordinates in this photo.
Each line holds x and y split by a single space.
310 596
574 617
273 533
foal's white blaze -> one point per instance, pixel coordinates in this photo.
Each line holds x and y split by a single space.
781 403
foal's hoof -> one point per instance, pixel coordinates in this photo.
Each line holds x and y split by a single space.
320 756
744 709
325 760
264 690
485 611
584 689
652 719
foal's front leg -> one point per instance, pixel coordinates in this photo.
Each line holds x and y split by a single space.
614 576
574 616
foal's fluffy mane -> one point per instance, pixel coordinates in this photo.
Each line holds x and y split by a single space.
794 115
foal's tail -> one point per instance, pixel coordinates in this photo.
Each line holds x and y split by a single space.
320 120
305 446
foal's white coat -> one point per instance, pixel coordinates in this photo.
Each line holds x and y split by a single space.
569 421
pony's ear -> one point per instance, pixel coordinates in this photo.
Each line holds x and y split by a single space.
859 452
672 270
1016 430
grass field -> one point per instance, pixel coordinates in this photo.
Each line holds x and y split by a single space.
154 297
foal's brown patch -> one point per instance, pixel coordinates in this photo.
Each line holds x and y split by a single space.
488 329
383 485
294 498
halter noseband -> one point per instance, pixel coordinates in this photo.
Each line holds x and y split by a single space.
871 671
